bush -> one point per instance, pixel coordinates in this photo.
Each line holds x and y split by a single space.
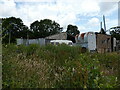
59 66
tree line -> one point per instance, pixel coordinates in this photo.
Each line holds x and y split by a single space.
13 28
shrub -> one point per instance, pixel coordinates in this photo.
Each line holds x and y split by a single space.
59 66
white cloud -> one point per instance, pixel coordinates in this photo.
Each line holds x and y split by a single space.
68 19
82 29
7 8
62 0
93 22
108 7
111 23
62 11
88 6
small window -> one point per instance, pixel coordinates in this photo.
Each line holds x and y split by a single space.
57 43
69 43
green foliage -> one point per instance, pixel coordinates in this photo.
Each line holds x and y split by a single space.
59 66
115 32
13 28
72 30
44 28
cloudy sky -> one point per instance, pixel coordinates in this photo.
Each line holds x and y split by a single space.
85 14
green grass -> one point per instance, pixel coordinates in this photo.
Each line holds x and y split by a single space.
59 66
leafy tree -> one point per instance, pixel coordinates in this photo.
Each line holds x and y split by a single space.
35 28
45 28
115 32
12 28
72 30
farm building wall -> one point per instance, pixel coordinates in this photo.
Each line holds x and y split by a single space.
117 45
103 43
60 36
40 41
91 38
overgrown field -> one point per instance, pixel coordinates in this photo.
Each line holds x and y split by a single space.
60 66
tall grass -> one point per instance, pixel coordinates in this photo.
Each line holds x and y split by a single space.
59 66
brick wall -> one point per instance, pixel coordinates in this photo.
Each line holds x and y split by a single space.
103 43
